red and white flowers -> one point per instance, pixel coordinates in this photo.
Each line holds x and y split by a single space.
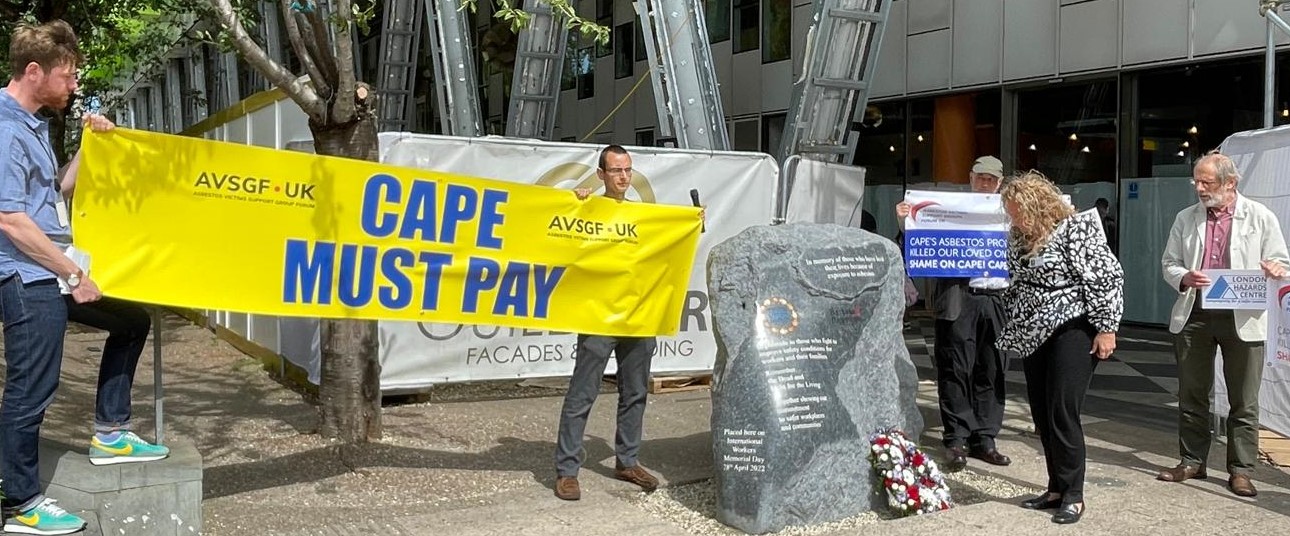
913 483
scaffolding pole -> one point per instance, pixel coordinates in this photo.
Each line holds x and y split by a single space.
1268 8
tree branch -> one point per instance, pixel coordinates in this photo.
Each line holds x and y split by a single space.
343 106
315 39
321 85
301 93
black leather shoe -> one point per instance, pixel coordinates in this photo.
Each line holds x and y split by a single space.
1042 502
955 459
992 457
1069 513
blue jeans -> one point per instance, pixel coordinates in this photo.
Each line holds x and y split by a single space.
35 320
127 325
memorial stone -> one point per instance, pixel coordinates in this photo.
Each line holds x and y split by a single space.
810 361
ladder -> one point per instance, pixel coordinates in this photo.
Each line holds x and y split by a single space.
539 66
841 56
457 87
400 46
684 78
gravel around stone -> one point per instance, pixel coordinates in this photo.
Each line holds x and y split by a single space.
693 507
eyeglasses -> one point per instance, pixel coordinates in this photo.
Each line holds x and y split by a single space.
618 170
1205 184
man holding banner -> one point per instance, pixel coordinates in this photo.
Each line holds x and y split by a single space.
34 232
634 355
1223 231
960 239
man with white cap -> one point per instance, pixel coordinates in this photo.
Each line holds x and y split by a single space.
969 368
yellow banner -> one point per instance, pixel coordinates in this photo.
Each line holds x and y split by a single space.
210 225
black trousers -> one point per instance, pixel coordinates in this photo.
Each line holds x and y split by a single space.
1057 377
969 373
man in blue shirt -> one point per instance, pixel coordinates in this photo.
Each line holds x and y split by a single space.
34 232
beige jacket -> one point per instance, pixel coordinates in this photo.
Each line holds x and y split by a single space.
1256 236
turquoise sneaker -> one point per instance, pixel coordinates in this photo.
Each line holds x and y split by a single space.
127 448
44 518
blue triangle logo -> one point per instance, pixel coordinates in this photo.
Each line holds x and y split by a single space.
1220 290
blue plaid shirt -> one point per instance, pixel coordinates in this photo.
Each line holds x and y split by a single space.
28 183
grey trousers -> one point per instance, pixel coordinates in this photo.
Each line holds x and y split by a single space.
1242 371
634 355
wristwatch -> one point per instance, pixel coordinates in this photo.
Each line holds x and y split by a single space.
74 280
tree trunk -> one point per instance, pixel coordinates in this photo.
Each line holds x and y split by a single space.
350 389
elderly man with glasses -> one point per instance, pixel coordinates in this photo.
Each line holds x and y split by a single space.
1224 230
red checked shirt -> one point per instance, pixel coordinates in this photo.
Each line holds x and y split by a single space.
1218 239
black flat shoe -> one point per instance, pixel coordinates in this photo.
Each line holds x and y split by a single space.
1069 513
1041 502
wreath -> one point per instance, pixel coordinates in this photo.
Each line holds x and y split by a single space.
911 479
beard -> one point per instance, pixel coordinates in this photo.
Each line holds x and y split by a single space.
1214 200
54 99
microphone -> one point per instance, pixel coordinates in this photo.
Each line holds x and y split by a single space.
694 198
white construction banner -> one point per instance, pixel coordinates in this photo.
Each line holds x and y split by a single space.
1235 289
955 234
1274 396
825 192
1263 159
738 190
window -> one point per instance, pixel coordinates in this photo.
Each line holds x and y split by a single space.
569 79
746 135
717 14
639 40
772 132
1183 112
881 145
945 135
624 55
586 73
645 138
605 17
777 18
1069 133
747 27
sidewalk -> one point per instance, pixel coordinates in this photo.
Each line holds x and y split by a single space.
477 460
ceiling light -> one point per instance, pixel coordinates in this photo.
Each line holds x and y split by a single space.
1181 154
920 137
1192 130
1032 147
1074 137
1186 144
1084 150
892 148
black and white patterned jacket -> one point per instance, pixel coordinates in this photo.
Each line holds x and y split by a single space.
1074 275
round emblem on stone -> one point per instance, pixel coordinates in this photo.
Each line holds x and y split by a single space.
778 316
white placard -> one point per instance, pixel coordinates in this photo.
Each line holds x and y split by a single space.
1235 289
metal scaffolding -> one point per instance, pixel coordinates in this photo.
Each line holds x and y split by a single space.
841 56
684 78
1268 8
539 64
454 66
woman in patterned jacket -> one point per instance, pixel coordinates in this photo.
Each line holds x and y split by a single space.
1063 309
